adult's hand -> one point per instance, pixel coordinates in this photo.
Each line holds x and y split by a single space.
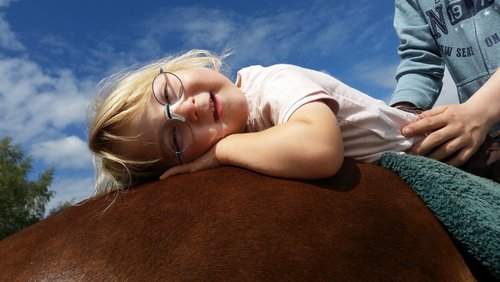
453 133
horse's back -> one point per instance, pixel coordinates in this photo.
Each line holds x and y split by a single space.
233 224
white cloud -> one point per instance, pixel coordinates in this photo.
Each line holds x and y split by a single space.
381 75
62 103
378 74
67 152
73 189
56 44
5 3
34 104
317 27
8 39
37 108
195 27
212 29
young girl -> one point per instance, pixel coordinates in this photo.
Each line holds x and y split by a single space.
180 114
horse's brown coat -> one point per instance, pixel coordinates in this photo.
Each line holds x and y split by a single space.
233 224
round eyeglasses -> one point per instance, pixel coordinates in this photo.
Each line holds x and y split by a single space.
176 133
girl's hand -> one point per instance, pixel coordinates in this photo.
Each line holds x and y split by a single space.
454 133
206 161
307 146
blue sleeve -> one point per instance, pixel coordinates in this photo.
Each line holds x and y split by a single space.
421 69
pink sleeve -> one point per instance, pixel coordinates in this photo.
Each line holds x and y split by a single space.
288 88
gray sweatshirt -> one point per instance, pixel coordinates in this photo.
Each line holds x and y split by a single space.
463 34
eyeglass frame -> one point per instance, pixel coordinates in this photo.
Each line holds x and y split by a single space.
170 115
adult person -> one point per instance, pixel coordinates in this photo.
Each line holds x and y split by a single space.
464 36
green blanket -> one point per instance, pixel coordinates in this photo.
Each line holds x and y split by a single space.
467 205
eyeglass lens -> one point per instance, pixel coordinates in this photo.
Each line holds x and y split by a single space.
167 88
176 135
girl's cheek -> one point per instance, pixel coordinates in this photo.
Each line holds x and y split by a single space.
203 140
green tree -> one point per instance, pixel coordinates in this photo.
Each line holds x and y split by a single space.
22 201
60 207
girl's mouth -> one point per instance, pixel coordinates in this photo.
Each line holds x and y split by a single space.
213 107
216 107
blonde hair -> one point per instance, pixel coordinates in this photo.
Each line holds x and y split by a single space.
119 99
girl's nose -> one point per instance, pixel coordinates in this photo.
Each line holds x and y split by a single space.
188 109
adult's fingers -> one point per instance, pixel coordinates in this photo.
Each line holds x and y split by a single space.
429 121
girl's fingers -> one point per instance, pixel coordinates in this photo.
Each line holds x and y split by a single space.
176 170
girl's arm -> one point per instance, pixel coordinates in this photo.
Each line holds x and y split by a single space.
308 146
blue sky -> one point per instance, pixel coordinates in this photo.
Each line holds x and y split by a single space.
54 52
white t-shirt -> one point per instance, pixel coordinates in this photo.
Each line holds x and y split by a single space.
369 127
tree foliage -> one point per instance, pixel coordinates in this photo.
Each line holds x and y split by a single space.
60 207
22 201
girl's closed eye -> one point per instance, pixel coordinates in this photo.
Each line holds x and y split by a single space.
167 88
166 96
174 140
177 136
171 94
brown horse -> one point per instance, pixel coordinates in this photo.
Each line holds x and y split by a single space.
233 224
